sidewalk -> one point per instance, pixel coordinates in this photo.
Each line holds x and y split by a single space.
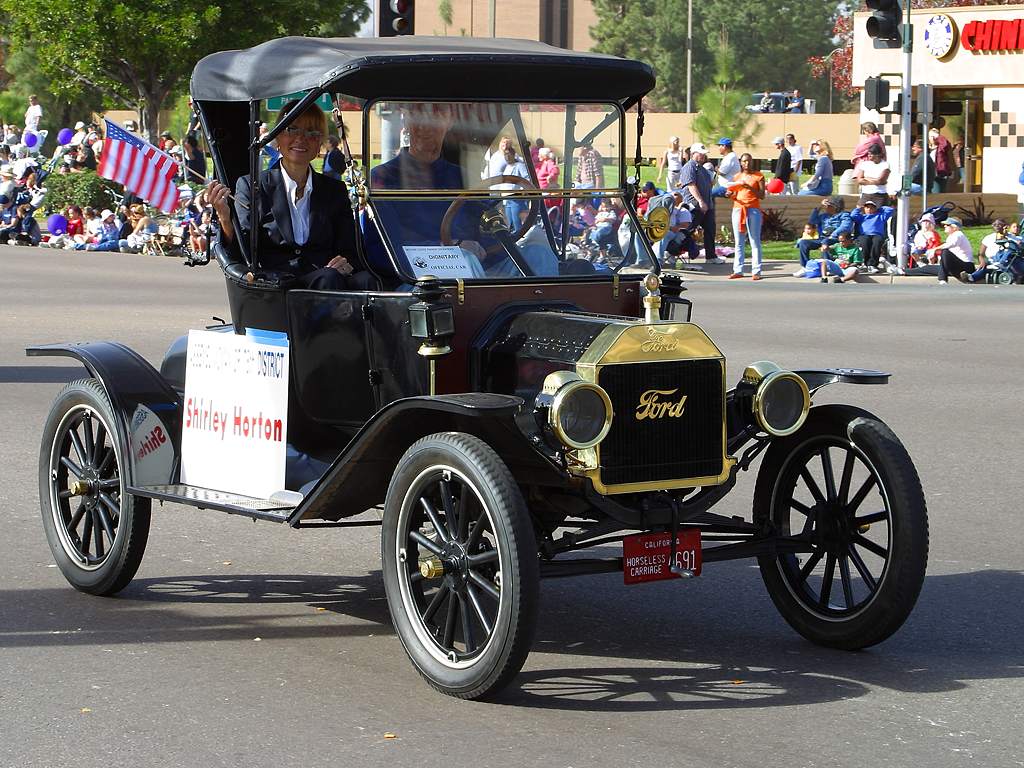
776 270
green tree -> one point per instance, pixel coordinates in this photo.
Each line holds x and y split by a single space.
444 10
58 112
138 53
649 31
721 108
771 41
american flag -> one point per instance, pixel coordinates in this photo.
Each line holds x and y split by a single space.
140 167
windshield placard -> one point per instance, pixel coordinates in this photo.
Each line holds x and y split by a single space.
442 261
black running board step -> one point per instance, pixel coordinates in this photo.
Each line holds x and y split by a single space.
233 503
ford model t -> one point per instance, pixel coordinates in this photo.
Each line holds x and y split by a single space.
507 397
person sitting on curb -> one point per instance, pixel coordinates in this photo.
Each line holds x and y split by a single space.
990 251
846 252
24 229
925 243
874 239
108 238
830 220
956 257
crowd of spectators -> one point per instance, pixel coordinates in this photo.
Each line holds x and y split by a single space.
125 226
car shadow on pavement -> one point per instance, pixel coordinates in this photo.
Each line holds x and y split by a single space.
599 646
712 650
195 609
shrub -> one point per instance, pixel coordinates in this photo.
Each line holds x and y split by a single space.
85 188
775 226
977 215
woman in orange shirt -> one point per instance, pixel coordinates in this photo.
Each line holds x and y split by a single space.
747 192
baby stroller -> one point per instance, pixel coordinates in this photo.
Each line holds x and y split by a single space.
1009 268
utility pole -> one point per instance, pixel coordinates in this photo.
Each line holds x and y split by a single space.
903 211
689 52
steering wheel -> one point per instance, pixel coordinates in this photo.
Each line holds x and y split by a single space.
458 202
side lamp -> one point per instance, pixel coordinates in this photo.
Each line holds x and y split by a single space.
431 318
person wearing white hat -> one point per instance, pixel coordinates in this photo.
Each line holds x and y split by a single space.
108 238
7 184
696 183
79 136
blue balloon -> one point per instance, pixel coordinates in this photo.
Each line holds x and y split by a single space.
65 136
29 139
56 224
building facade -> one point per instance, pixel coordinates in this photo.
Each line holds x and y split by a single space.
564 23
974 59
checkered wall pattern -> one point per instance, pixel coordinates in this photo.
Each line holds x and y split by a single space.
1001 128
889 127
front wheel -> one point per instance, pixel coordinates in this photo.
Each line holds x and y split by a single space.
96 531
460 565
845 485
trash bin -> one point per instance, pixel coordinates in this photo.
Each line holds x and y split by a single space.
810 106
847 184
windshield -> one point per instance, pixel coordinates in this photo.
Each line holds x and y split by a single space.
475 191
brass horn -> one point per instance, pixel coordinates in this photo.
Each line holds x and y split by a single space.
655 224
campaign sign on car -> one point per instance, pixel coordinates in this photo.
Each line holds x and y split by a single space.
646 556
235 422
442 261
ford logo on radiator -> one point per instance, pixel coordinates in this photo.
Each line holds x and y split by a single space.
659 403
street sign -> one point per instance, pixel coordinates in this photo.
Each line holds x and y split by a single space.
274 104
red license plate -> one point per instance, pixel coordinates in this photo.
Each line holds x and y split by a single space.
645 556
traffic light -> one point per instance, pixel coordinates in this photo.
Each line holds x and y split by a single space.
883 26
876 93
395 17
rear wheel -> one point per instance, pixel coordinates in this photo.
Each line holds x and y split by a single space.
460 565
846 484
96 531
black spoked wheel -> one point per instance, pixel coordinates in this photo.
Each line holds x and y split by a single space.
460 565
846 485
96 531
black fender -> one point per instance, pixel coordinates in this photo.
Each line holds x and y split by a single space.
358 479
148 410
817 378
740 417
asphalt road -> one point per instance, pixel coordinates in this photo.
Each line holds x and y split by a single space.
252 644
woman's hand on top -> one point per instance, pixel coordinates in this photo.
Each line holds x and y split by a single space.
217 196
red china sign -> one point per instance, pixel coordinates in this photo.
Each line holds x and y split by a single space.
993 35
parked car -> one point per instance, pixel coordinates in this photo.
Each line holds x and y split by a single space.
500 408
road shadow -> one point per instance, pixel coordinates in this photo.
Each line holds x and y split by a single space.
599 646
40 374
709 649
185 609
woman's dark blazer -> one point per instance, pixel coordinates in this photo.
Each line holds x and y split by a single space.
331 229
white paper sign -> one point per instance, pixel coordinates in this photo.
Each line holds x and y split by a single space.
235 425
442 261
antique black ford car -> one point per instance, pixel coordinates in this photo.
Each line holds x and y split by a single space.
503 399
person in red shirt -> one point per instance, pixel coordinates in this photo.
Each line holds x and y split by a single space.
646 193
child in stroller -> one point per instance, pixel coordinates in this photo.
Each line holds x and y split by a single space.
1007 265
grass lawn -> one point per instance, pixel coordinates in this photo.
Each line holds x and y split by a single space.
784 250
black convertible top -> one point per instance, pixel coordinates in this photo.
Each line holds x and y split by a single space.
419 67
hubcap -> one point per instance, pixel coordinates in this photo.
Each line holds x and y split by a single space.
831 495
450 580
85 487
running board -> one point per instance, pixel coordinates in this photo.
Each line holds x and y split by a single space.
276 510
